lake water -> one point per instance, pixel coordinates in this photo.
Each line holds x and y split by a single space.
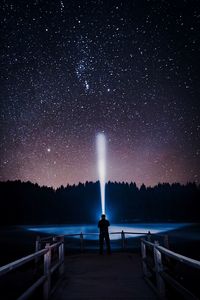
90 232
184 238
18 241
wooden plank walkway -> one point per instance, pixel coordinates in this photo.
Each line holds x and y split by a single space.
103 277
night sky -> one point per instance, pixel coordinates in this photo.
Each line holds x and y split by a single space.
71 69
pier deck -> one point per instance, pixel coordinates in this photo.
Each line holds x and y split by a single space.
96 277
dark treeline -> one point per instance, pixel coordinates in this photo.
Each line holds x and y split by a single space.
28 203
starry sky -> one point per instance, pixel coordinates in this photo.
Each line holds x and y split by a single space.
71 69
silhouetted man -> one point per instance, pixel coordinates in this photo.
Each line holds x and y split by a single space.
103 227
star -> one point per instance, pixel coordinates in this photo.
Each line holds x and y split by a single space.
87 85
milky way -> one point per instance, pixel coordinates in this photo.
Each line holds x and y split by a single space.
71 69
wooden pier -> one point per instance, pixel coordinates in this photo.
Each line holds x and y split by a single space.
150 274
110 277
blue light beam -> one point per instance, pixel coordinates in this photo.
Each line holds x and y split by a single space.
101 151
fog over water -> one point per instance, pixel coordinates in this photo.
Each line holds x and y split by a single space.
91 231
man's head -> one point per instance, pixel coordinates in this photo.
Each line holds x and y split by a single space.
103 216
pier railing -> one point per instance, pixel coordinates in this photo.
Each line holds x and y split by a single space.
155 262
123 235
49 267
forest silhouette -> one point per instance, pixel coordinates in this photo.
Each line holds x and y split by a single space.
28 203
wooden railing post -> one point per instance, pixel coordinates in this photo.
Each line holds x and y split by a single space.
166 241
123 239
37 247
37 243
61 256
47 272
158 269
81 242
144 257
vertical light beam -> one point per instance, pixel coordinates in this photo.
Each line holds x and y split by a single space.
101 151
